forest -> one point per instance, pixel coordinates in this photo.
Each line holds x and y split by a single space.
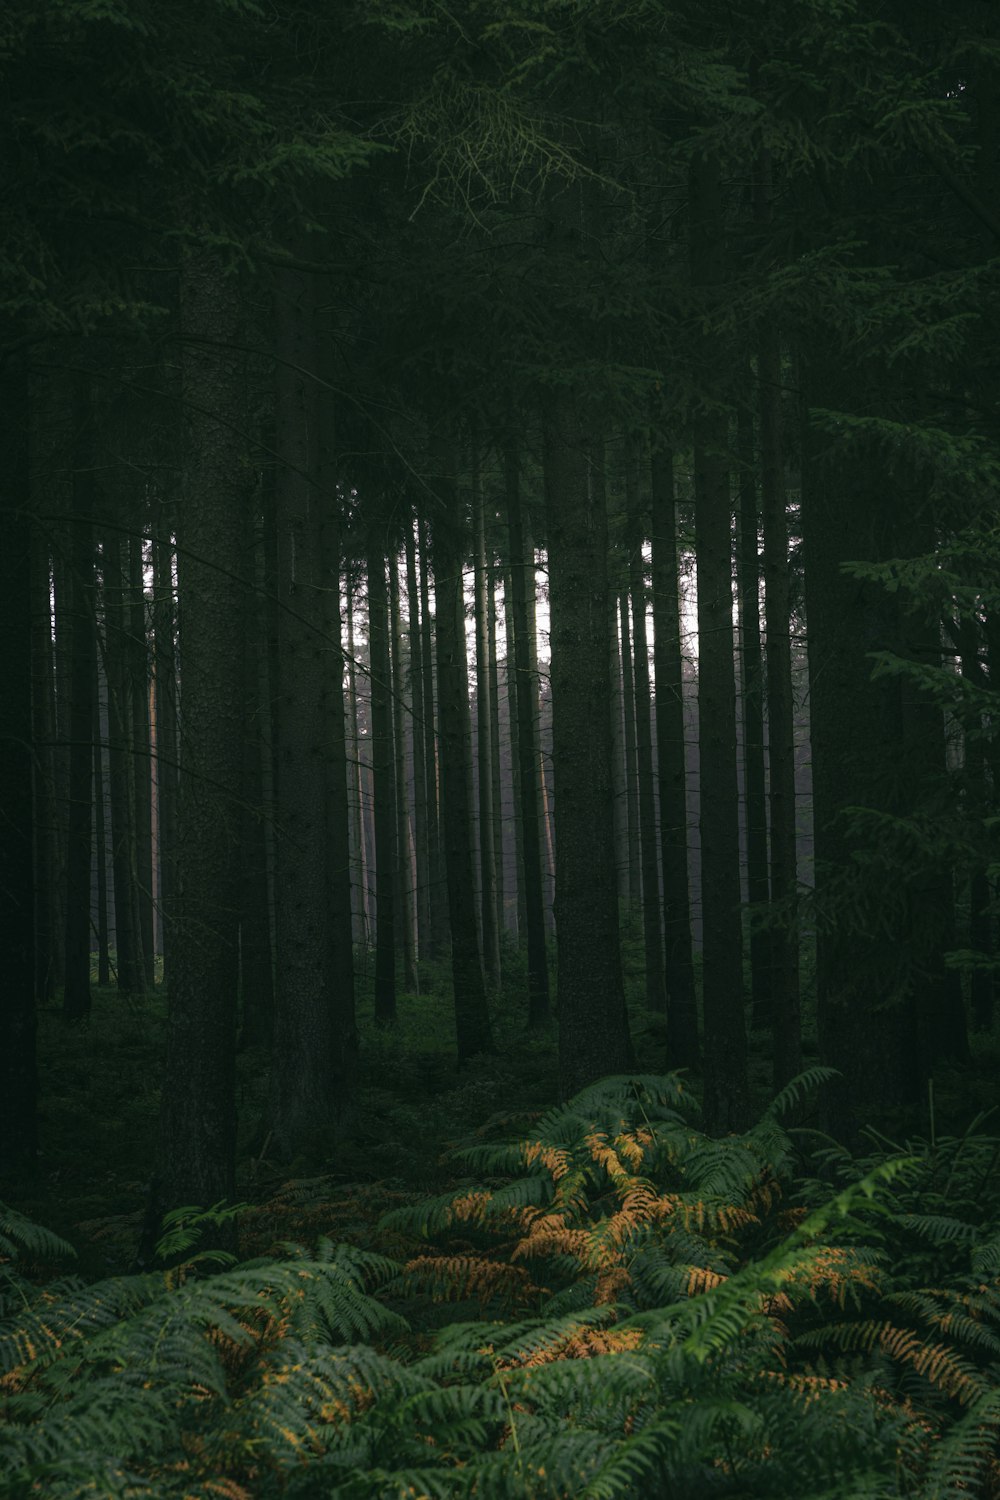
499 754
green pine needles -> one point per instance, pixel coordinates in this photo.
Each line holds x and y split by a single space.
613 1305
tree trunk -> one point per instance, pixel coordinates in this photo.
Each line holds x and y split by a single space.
166 750
472 1017
197 1143
785 1009
650 867
100 833
593 1022
18 1070
752 685
420 817
47 941
76 991
980 913
312 1076
522 577
726 1099
619 790
520 918
495 765
129 962
634 862
484 735
435 842
682 1011
384 781
359 861
256 955
404 835
139 673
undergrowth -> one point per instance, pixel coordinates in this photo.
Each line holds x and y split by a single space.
607 1303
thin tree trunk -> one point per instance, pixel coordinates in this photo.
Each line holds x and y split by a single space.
785 1008
76 991
634 864
649 855
435 845
166 749
384 781
128 963
619 790
197 1141
510 684
980 914
484 735
100 835
498 821
420 818
752 687
404 835
360 857
682 1011
522 582
256 956
139 673
726 1098
18 1067
593 1021
472 1017
46 855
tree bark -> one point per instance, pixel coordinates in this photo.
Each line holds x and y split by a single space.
404 835
129 961
671 754
47 939
166 750
359 862
435 843
593 1022
522 575
484 735
383 779
76 990
141 763
420 799
18 1067
726 1096
785 1008
472 1017
313 1067
650 868
633 848
197 1141
751 661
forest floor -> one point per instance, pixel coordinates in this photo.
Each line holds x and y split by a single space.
100 1080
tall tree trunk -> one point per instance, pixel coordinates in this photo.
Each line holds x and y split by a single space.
43 709
631 763
359 862
18 1069
383 779
166 750
495 765
484 734
420 818
522 578
472 1017
256 955
404 835
100 833
856 736
619 789
752 685
726 1096
197 1141
510 684
671 755
593 1022
129 962
76 991
435 838
785 1009
312 1075
980 913
139 673
650 866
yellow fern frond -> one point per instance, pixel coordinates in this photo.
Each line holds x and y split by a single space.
555 1161
701 1279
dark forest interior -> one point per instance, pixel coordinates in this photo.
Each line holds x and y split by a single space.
499 755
